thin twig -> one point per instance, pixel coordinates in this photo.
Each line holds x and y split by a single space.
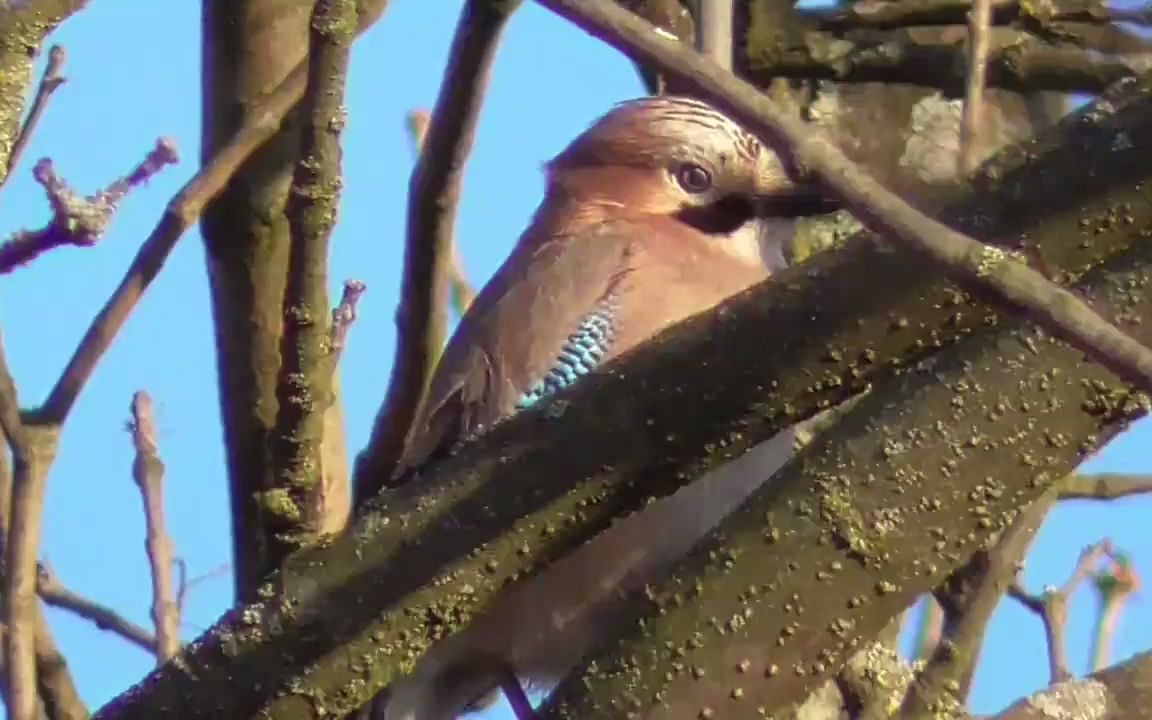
972 121
421 320
49 82
982 267
1051 607
148 473
78 221
304 385
1105 486
185 584
714 36
462 292
54 593
343 315
1114 585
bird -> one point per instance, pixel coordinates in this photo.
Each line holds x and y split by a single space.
660 210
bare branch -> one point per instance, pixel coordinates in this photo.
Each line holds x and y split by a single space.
1105 486
1117 693
979 266
421 320
148 473
76 220
49 82
54 593
971 135
343 315
462 292
1051 607
304 386
1114 585
716 31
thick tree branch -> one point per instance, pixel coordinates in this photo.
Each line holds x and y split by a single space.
304 387
848 534
934 57
978 266
433 192
338 623
886 14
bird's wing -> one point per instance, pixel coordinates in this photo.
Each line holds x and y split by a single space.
545 318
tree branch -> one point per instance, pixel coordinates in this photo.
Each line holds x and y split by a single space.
433 193
1118 693
78 221
1105 486
971 135
50 81
54 593
934 57
23 27
148 473
968 598
340 622
1051 607
304 387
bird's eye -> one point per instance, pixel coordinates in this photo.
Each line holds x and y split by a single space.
693 178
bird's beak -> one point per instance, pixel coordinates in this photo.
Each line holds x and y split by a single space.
795 201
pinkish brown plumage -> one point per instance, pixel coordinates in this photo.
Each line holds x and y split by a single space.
659 211
661 193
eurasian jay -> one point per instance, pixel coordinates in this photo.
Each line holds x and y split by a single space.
659 211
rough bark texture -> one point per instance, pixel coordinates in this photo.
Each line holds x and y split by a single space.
340 621
250 46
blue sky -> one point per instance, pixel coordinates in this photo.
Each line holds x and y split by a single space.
133 75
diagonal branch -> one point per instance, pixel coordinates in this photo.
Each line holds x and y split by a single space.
55 594
981 267
433 193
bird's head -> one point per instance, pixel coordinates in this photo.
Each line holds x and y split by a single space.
682 159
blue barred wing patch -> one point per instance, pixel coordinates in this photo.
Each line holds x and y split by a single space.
581 352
